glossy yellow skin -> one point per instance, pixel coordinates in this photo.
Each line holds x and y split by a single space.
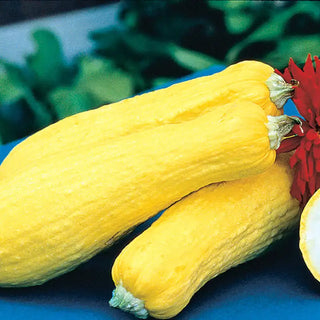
205 234
60 211
178 103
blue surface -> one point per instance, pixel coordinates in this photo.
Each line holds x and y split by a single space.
274 286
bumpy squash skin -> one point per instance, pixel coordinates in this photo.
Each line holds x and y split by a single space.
205 234
178 103
60 212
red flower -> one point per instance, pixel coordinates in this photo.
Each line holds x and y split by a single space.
306 142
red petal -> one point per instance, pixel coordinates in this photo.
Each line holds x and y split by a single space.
317 62
295 190
310 162
295 193
289 144
306 158
316 141
295 71
312 184
301 130
285 75
301 183
316 151
312 135
304 172
293 160
308 145
317 165
306 96
308 67
301 152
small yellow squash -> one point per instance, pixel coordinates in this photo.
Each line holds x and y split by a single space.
61 210
201 236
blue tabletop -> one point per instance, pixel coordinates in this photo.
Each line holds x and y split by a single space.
277 285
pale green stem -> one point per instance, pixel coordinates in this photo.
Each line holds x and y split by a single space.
125 301
280 91
278 127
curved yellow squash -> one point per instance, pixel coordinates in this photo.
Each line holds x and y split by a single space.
201 236
60 211
178 103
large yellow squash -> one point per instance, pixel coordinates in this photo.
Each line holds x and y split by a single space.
59 211
201 236
249 80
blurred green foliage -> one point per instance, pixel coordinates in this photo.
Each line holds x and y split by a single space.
157 42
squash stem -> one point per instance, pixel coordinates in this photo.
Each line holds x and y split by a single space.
280 90
125 301
279 127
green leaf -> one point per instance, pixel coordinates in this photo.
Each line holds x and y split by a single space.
15 121
42 115
89 65
111 87
107 39
5 130
12 85
238 21
228 4
14 88
192 60
130 19
98 82
133 42
47 63
105 82
296 47
189 59
10 90
68 101
273 29
146 48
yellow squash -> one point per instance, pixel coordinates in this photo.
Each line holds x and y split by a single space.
249 80
201 236
61 210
